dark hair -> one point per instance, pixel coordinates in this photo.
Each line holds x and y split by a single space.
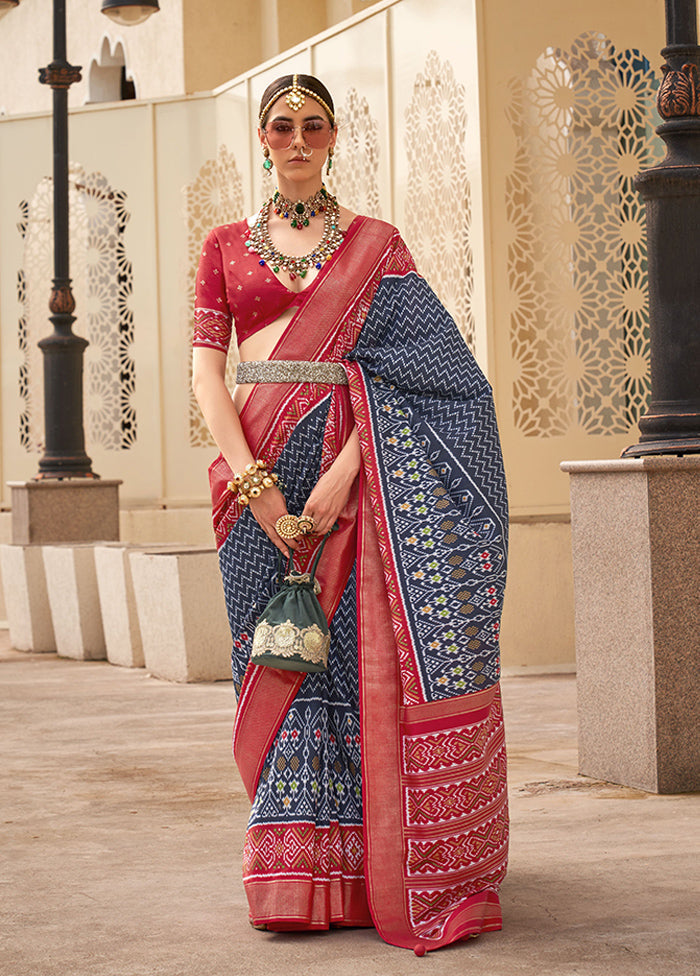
312 86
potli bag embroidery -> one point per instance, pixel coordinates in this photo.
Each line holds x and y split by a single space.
292 631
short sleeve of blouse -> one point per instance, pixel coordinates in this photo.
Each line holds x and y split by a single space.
212 315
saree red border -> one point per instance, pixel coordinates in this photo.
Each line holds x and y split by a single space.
427 887
278 869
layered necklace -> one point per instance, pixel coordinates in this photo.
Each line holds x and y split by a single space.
300 212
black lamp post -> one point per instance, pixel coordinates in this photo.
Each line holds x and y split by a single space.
671 192
64 453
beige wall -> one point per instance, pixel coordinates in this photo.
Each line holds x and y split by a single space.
537 630
153 50
221 39
188 46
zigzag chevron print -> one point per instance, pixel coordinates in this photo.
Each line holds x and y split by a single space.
442 486
247 559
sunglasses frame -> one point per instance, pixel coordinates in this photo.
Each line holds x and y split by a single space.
326 128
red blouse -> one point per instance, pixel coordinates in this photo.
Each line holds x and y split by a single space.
235 289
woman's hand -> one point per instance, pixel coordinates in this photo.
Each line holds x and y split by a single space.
328 499
332 490
267 508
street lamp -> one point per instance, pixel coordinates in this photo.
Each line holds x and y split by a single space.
671 192
64 454
129 12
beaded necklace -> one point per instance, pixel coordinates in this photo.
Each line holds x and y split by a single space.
260 243
301 211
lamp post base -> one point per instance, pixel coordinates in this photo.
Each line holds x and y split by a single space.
70 510
636 551
677 445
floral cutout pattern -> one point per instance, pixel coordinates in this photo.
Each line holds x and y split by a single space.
583 121
214 197
436 127
353 177
102 286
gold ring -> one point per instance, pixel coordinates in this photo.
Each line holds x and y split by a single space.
287 526
307 524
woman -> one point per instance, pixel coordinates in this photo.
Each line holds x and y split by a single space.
378 787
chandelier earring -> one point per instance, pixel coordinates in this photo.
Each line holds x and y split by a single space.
329 164
267 162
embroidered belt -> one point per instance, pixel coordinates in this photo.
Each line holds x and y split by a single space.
290 371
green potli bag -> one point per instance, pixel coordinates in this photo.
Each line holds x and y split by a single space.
292 631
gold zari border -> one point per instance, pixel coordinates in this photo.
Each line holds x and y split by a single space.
288 640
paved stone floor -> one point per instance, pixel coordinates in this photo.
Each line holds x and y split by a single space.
123 816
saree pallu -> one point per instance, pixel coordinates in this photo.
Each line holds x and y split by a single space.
378 789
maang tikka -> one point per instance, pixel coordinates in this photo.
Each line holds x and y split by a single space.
296 97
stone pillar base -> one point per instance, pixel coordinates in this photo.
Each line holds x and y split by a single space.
636 547
182 613
69 510
120 619
26 598
118 605
71 582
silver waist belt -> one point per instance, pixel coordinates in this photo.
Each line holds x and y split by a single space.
290 371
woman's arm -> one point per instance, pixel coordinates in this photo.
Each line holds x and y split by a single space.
330 493
214 399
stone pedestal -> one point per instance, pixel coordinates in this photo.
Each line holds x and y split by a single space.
120 620
182 614
69 510
26 598
71 582
636 547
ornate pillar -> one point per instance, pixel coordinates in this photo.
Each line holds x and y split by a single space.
671 192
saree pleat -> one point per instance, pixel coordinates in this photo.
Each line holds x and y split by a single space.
303 855
378 789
